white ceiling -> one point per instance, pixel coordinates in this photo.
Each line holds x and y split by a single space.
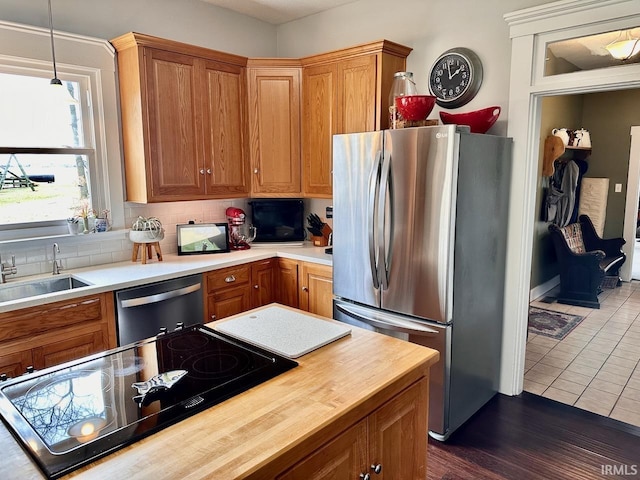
278 11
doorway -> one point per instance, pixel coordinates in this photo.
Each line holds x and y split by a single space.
593 366
531 30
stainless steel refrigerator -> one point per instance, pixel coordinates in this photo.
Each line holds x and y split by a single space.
419 247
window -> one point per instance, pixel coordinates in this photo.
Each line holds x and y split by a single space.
591 52
45 173
59 153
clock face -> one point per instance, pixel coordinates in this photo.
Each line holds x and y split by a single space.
455 77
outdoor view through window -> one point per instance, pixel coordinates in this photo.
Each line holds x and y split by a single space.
44 169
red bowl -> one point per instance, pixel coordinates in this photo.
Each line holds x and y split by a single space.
479 121
415 107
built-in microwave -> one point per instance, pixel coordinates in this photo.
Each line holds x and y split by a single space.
278 220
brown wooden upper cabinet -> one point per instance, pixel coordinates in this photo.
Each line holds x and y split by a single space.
344 91
274 127
199 124
184 120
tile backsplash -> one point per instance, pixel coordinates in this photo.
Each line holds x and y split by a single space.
35 256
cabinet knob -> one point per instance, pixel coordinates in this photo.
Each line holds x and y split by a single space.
230 279
256 287
213 317
305 289
365 476
209 171
377 468
255 170
202 171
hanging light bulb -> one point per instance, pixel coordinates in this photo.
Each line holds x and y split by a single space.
55 80
61 93
625 48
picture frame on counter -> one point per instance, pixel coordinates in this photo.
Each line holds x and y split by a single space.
202 238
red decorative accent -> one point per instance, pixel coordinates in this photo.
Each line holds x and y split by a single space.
415 107
479 121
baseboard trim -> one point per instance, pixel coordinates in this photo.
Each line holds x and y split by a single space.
547 286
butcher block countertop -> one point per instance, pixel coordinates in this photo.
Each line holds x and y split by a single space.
263 431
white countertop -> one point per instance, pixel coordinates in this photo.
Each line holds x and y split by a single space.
116 276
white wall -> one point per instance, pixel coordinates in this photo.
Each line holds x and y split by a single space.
428 26
189 21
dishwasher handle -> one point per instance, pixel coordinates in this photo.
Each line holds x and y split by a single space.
387 321
159 297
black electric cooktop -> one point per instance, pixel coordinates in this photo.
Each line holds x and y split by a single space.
70 415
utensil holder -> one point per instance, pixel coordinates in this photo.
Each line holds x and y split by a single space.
322 241
319 241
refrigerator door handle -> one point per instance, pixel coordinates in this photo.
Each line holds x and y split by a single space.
384 249
387 321
372 217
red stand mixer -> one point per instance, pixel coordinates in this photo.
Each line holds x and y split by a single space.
240 234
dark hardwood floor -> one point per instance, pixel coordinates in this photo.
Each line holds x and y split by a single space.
531 437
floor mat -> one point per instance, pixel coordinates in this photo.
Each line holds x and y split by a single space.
552 324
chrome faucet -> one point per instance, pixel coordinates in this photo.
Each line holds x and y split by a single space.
57 264
6 269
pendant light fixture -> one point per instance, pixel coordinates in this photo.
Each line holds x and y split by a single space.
624 49
55 80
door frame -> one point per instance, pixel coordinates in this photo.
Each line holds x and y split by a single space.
530 30
631 205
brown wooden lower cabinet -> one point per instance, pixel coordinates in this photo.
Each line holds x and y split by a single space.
15 364
287 282
71 348
305 285
316 289
237 289
47 335
389 443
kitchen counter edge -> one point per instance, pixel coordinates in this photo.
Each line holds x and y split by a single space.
127 274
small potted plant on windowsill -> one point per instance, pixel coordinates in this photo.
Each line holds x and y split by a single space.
146 230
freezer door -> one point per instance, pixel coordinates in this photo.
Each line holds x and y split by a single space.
357 163
428 334
419 221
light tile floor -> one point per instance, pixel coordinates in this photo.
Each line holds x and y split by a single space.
596 366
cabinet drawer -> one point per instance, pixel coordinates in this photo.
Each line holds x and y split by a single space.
228 278
36 320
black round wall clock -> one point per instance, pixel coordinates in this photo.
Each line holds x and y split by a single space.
455 77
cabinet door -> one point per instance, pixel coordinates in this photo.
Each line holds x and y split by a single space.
274 105
357 95
15 364
319 123
341 459
225 131
398 434
263 283
316 289
287 282
71 348
174 160
228 302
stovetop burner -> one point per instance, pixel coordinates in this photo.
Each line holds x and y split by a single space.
69 415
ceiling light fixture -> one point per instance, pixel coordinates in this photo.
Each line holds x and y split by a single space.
55 80
624 49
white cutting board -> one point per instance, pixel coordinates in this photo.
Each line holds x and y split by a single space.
282 331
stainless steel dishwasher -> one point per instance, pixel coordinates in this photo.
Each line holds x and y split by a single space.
143 311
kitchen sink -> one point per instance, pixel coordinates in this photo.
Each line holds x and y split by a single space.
17 291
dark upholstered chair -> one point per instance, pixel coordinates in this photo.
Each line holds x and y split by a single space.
585 259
